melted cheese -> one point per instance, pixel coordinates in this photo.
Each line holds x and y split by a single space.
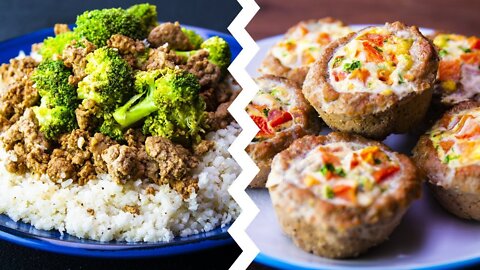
457 139
459 63
345 173
304 45
375 61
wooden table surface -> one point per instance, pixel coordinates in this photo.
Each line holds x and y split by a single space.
276 16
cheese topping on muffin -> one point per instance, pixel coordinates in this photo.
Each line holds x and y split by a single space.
375 61
456 138
346 173
303 46
459 63
273 110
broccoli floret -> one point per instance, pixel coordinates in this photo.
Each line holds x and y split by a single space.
182 123
170 99
147 14
111 128
56 113
194 38
109 79
53 46
56 120
218 52
97 26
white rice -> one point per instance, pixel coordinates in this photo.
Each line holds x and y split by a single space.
164 215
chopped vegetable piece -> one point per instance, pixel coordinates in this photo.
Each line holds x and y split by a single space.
278 117
349 67
262 124
345 192
372 54
384 173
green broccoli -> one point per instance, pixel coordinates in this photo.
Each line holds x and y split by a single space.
218 52
97 26
170 101
56 113
182 123
109 79
147 14
110 127
53 46
195 39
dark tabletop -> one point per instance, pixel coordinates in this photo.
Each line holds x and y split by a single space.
19 17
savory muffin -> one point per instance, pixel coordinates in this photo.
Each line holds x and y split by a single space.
458 70
374 82
301 46
338 195
449 155
283 115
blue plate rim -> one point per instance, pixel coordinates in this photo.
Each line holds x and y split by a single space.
220 235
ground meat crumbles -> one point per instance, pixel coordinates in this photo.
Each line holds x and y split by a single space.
17 91
84 153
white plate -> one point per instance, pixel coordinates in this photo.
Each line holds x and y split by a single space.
428 237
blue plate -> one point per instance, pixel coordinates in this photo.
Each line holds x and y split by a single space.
24 234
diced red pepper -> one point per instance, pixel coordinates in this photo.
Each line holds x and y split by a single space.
278 117
339 76
372 54
323 38
360 74
446 145
385 173
354 162
328 158
476 44
471 58
376 39
262 125
449 70
345 192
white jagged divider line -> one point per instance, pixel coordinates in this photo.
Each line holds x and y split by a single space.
249 130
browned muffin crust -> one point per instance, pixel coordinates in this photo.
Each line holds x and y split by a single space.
369 114
336 230
457 189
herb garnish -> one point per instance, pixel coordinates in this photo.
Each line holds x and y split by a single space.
400 79
349 67
328 167
266 111
328 192
443 53
465 50
449 158
378 49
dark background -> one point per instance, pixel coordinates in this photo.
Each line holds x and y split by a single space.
22 17
460 16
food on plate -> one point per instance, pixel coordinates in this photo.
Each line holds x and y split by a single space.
282 115
449 155
301 46
374 82
338 195
458 70
119 129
